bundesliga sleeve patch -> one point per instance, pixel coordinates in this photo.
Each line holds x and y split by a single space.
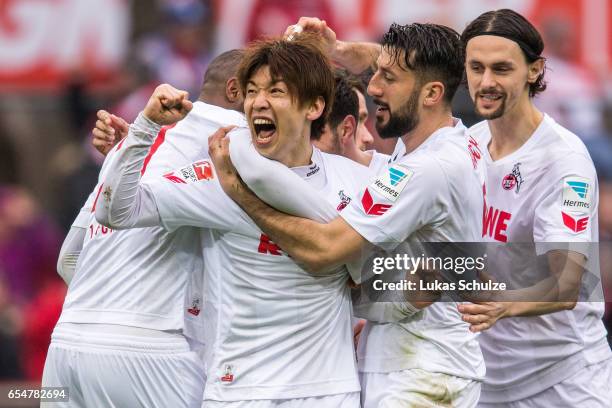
392 181
200 170
577 194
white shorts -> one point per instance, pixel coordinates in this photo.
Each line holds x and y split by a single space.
117 370
417 388
588 387
350 400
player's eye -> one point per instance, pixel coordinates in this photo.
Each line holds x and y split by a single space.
476 67
503 70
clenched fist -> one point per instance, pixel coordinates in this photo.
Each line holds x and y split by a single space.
167 105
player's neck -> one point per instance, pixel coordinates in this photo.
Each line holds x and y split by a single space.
513 129
428 124
216 99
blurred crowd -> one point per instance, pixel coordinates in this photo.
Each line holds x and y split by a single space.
48 166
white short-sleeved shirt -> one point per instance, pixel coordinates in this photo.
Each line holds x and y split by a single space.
282 333
543 196
140 277
433 194
379 161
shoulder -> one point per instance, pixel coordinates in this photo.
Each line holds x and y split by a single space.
379 161
565 152
342 166
480 131
211 115
450 151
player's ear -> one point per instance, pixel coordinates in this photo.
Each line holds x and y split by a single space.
536 68
232 90
433 93
348 127
315 110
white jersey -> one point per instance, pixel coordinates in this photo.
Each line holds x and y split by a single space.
379 161
282 333
433 194
139 277
545 192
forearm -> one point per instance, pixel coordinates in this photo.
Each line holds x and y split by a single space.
123 203
308 242
551 298
270 181
356 56
69 253
536 308
558 292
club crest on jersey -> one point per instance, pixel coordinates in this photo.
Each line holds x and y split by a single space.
575 224
200 170
576 194
372 208
344 200
228 374
391 183
513 180
195 306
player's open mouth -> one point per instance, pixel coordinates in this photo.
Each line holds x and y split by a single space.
381 108
264 129
490 96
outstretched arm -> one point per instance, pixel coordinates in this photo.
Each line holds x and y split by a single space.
354 56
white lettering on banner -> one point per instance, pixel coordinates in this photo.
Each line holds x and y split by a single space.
59 35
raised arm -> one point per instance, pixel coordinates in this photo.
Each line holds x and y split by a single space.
354 56
125 203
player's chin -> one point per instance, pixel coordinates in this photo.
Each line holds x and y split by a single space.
490 114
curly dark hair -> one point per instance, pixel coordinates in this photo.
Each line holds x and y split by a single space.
511 25
432 51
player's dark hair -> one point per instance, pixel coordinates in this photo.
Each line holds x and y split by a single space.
432 51
345 102
355 81
511 25
300 63
221 69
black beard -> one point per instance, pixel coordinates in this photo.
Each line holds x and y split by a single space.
495 114
402 122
